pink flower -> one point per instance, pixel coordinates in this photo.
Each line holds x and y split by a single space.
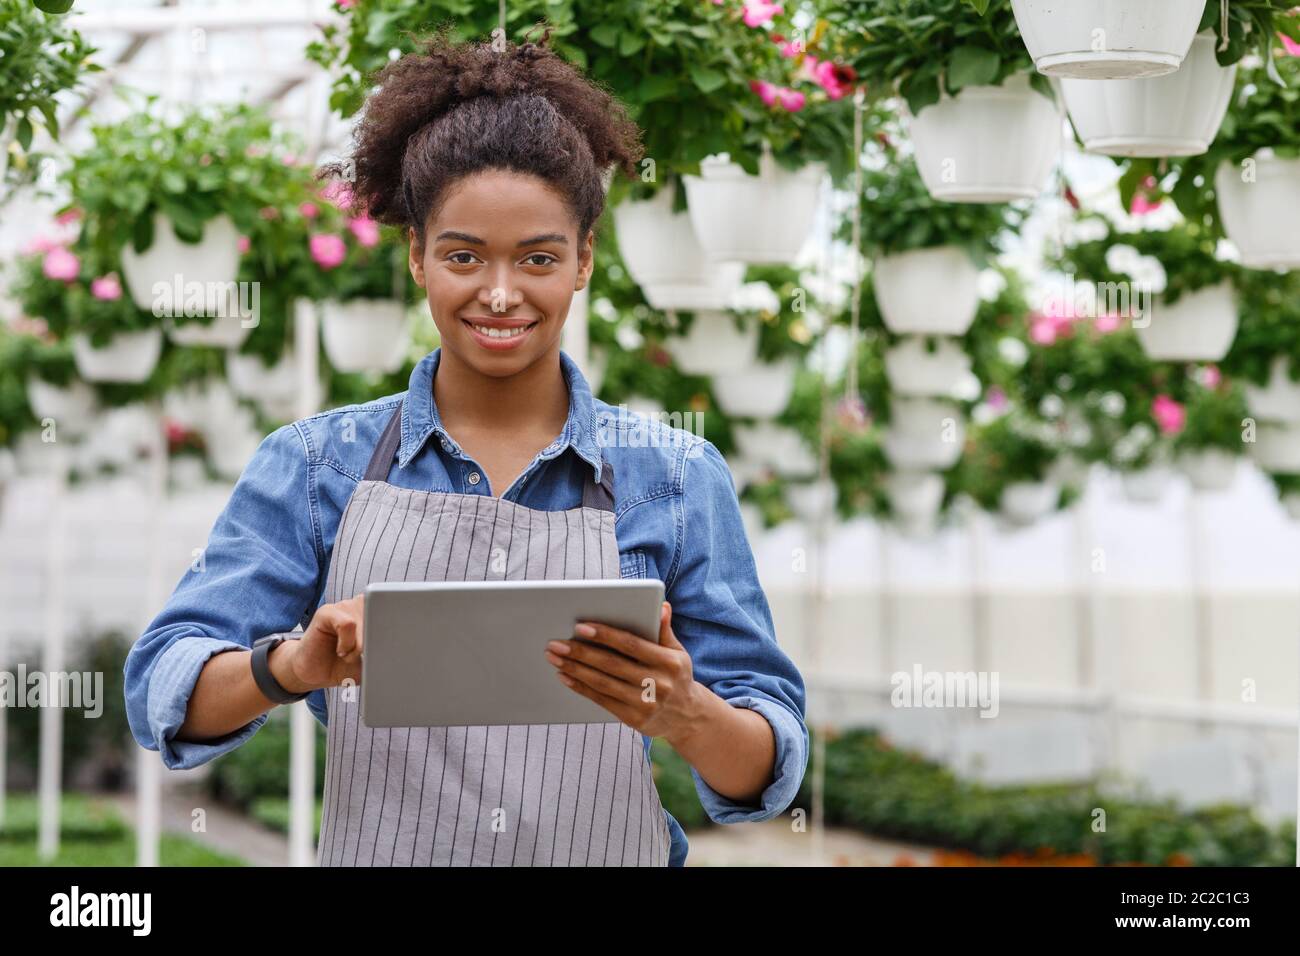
789 48
835 79
289 159
309 209
996 398
327 250
1045 329
1142 205
339 193
765 90
61 264
1110 322
67 216
852 413
366 230
39 244
1292 48
344 4
791 100
1211 376
244 245
106 288
1169 414
757 12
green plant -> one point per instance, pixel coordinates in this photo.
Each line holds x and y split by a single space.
1215 411
93 302
918 48
1247 23
1268 326
204 162
1013 447
42 57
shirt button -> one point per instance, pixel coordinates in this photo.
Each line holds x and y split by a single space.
473 477
446 445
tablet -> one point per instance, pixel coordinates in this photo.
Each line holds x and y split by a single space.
472 653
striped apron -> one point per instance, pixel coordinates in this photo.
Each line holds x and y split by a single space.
521 795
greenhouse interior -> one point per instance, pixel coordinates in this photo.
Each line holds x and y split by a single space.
945 356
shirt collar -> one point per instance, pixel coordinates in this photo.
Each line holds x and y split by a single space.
420 415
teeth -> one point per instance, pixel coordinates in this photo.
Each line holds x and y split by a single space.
502 333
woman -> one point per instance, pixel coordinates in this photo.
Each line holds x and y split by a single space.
494 162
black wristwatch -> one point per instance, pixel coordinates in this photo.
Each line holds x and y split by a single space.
262 676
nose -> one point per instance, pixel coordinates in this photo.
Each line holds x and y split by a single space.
501 295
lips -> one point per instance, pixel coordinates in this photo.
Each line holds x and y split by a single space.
500 342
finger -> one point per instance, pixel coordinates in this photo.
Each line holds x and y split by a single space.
666 636
610 686
620 710
626 643
616 665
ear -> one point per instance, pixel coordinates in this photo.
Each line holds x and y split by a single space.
415 259
586 260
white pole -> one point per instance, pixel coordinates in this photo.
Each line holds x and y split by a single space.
50 771
302 725
148 778
574 336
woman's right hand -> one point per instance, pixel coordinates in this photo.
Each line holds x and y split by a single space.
329 651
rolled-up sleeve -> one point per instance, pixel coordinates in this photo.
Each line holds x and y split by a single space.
722 618
258 575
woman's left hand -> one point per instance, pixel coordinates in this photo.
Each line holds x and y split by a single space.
650 687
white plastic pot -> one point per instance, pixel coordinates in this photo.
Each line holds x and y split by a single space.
1146 485
1209 469
128 357
213 261
72 406
666 260
714 346
988 144
753 219
924 435
274 388
231 444
1199 327
1108 39
915 498
1024 502
1177 114
1258 203
365 335
777 447
914 370
927 291
761 390
224 332
1279 400
1277 447
809 499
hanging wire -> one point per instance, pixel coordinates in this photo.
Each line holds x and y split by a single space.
1223 25
501 15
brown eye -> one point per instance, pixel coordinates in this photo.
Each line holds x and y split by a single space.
549 259
455 254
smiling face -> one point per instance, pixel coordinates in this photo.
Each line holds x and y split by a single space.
502 255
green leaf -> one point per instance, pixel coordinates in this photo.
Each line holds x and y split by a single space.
972 66
53 6
979 6
630 43
706 79
24 133
656 87
606 34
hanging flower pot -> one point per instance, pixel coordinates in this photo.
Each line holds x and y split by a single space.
915 498
175 266
924 435
1277 447
1199 327
231 443
662 254
714 346
223 332
1025 502
1209 469
128 357
927 291
754 219
1177 114
761 390
1108 39
777 447
988 144
365 335
1257 204
71 406
915 370
1146 485
809 500
274 388
1279 400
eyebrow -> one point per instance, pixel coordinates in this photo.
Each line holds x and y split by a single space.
475 240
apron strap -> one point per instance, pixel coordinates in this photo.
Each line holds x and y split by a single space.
599 496
382 460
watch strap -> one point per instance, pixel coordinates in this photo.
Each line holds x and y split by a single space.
262 676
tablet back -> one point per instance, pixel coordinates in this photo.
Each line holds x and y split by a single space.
472 653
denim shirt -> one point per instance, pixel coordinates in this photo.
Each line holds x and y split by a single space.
677 518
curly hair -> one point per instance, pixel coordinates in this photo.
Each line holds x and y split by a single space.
449 110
